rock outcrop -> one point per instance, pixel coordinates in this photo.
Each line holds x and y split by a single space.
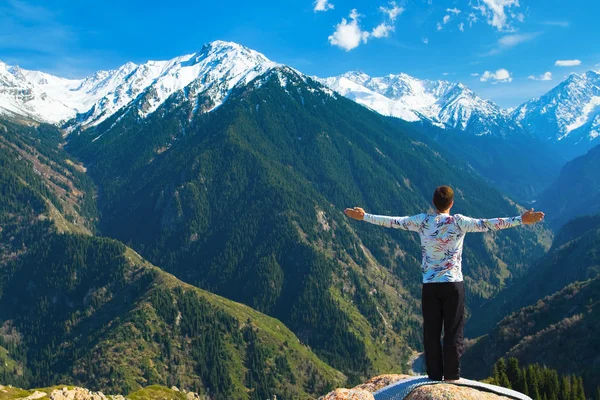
78 393
430 392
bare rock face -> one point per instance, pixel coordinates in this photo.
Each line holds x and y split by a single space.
381 381
76 394
348 394
428 392
448 391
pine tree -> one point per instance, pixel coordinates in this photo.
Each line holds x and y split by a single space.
514 374
580 391
565 388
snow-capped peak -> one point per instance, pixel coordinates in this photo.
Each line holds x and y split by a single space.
214 71
570 111
445 104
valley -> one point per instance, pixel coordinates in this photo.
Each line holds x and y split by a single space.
180 223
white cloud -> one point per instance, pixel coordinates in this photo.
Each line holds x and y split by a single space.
382 30
474 74
426 40
439 26
500 75
393 11
508 41
518 16
472 18
446 19
348 35
445 73
453 10
567 63
513 40
461 26
322 5
495 13
546 76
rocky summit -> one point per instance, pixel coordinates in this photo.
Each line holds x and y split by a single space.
430 392
78 393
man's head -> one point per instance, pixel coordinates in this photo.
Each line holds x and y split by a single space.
443 198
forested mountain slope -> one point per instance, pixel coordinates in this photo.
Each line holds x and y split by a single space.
576 191
245 201
574 256
559 331
79 309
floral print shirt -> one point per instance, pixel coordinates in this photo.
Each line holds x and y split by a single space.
442 237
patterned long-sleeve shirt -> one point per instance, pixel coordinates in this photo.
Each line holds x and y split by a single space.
442 237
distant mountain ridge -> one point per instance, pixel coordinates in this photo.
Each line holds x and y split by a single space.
214 71
575 192
445 104
570 112
568 116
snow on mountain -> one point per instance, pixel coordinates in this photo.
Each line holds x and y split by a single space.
213 72
569 112
445 104
19 97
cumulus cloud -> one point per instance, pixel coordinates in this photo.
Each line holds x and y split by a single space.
495 12
461 26
501 75
546 76
322 5
382 30
348 35
453 10
426 40
439 26
393 11
474 74
567 63
446 19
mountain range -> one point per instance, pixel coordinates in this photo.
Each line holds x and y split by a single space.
568 116
230 172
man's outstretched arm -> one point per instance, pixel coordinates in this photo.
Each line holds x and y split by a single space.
411 223
494 224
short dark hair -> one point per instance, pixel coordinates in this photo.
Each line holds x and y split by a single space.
443 197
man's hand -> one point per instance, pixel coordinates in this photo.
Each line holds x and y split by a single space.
355 213
531 217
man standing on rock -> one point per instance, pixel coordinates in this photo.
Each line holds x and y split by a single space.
443 293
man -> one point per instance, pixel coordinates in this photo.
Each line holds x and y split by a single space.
443 293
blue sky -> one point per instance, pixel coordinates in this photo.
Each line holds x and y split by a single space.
496 47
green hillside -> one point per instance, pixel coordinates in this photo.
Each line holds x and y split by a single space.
79 309
90 312
576 191
559 331
574 256
246 202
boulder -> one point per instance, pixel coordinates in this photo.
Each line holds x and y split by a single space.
348 394
429 392
449 391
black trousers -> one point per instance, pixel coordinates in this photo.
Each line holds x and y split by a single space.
443 304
